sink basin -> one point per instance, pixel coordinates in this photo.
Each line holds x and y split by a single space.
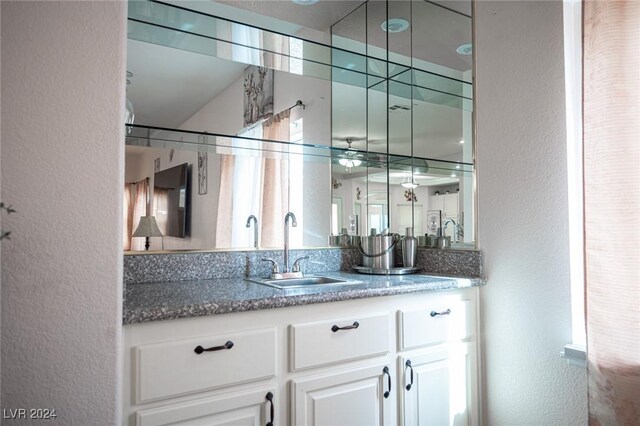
311 280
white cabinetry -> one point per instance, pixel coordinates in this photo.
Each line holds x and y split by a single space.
237 409
446 203
439 386
438 361
356 397
339 340
188 365
330 364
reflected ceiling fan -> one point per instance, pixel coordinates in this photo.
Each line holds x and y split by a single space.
351 157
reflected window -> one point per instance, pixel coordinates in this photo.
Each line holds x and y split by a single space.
296 50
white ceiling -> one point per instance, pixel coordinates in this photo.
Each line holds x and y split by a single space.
170 85
319 16
433 36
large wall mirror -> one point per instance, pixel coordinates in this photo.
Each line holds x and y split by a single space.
355 116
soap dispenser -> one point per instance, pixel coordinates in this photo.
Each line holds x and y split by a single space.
409 249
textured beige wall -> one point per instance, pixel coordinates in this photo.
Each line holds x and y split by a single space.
523 216
63 69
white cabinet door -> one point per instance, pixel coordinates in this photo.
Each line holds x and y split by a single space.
351 398
447 204
409 216
437 203
443 392
248 408
451 205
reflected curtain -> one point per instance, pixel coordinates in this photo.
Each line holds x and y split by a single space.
611 32
275 185
240 195
252 184
135 205
224 224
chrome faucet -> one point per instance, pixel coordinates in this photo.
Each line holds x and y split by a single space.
455 228
294 223
255 229
295 271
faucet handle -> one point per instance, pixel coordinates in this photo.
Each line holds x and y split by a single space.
274 269
296 264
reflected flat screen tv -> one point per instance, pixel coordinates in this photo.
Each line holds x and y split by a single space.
171 196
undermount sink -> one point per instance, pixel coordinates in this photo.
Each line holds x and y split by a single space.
311 280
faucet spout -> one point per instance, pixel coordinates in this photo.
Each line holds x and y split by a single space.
455 228
255 229
294 223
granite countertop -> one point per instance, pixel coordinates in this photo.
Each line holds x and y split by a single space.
157 301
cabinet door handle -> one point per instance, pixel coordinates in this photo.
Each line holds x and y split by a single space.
199 349
269 397
335 328
408 365
385 370
434 313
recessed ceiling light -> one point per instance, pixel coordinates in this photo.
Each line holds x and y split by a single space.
453 174
461 141
395 25
458 166
465 49
305 2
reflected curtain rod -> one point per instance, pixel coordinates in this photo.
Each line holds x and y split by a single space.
135 183
298 104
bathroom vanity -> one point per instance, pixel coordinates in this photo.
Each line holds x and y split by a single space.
392 350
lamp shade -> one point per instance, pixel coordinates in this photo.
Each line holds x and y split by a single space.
148 227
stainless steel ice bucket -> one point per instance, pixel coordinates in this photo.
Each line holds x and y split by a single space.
379 251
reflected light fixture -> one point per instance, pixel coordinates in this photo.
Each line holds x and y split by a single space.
349 162
148 227
465 49
461 141
408 182
305 2
350 158
395 25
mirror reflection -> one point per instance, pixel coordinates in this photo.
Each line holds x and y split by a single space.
345 90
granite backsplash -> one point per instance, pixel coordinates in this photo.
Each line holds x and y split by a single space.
159 267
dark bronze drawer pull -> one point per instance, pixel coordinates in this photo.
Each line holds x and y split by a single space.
199 349
434 313
269 397
385 370
335 328
408 364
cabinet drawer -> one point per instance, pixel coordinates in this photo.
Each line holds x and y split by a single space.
174 368
439 321
315 344
246 408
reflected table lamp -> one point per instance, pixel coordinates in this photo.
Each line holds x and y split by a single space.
148 227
